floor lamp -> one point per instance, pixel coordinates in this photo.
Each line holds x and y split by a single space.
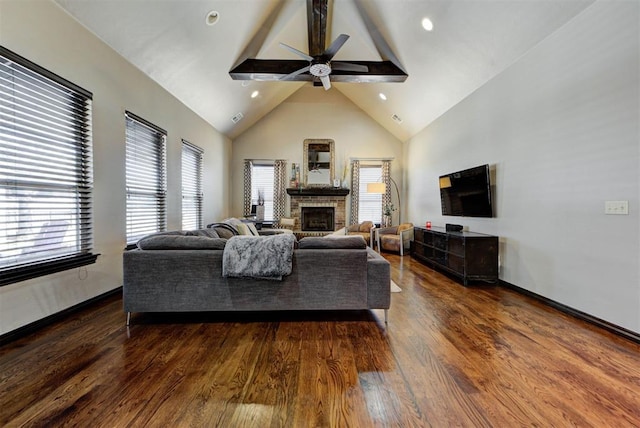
381 188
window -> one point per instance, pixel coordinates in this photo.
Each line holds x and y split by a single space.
369 204
262 183
146 178
191 186
46 175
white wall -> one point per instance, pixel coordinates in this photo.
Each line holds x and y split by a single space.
41 32
312 112
560 127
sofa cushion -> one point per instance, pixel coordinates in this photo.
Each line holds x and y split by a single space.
209 233
345 242
180 240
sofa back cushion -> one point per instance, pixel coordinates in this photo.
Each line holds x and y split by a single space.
182 240
346 242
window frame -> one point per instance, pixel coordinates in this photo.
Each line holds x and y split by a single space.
269 198
371 201
193 196
151 146
51 117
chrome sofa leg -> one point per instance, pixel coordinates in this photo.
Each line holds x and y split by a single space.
128 318
386 316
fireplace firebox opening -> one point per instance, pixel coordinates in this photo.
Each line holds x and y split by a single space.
317 219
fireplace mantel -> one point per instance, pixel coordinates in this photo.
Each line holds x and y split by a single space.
317 191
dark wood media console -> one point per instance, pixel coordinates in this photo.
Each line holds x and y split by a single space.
467 255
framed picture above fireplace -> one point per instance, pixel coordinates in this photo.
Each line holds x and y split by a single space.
318 162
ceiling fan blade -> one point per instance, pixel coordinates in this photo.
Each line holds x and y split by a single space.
326 82
297 52
348 66
295 73
335 46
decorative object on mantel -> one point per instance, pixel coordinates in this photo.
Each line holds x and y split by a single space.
345 173
319 160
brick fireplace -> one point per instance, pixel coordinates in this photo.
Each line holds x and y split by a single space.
319 205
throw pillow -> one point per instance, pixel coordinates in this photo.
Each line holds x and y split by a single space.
366 226
223 230
243 229
252 229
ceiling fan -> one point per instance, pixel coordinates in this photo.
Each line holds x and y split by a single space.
321 66
317 66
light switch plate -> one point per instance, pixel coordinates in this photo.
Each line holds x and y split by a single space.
616 207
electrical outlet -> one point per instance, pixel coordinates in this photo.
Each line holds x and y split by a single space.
616 207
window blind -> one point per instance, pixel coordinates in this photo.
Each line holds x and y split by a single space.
46 169
369 204
191 186
145 178
262 180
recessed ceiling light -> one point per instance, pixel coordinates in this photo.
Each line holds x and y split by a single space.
427 24
212 17
255 94
382 96
245 83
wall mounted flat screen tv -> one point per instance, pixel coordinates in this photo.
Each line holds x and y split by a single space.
467 193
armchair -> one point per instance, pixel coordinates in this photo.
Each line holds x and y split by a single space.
395 238
364 229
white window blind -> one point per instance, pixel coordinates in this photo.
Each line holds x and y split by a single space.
45 171
146 178
191 186
369 204
262 178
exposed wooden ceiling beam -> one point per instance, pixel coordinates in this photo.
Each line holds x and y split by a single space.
275 69
317 26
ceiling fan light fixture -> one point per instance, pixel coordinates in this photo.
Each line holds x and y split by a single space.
382 96
320 69
212 17
427 24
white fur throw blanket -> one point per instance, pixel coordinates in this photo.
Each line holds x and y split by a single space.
265 257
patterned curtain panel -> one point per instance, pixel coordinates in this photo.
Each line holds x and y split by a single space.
355 190
386 179
247 187
279 189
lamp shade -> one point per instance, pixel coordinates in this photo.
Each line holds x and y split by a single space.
376 187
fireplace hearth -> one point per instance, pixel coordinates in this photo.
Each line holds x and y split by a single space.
317 219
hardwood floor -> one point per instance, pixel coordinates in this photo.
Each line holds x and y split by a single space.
450 356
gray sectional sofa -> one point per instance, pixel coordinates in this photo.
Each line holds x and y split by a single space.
185 273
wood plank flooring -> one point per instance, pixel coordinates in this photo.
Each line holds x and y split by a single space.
450 356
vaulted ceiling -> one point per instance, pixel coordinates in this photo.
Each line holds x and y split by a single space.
471 42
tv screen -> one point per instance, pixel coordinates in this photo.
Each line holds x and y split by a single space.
467 193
